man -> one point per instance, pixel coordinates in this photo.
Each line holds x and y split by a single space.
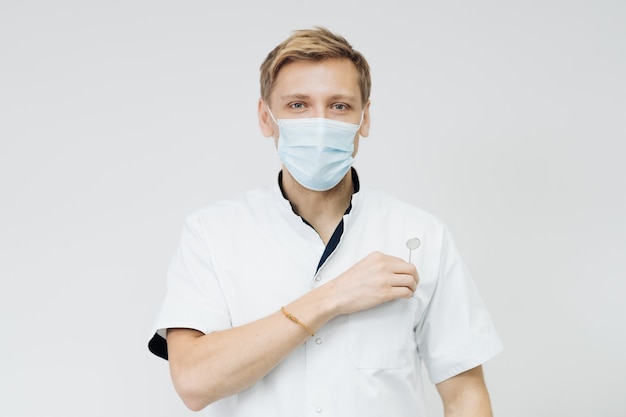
324 316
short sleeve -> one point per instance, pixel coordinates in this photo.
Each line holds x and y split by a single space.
456 333
194 298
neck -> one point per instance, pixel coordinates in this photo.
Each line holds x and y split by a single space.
321 209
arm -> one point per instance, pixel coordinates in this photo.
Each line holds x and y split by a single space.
206 368
465 395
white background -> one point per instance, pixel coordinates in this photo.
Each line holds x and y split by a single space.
118 118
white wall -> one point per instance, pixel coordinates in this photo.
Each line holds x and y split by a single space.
117 119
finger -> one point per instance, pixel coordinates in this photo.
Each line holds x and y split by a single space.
406 268
405 280
392 264
400 292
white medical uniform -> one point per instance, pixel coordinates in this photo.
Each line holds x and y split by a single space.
242 260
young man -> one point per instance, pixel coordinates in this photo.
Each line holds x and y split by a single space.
325 316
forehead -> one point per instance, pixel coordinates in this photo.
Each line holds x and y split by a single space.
327 77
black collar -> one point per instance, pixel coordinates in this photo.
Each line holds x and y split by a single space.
355 182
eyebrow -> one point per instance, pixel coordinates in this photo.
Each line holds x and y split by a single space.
344 97
294 96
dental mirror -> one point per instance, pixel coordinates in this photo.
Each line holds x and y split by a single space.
412 244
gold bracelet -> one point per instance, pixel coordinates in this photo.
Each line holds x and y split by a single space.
295 320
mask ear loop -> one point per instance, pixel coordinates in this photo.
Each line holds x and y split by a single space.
272 116
361 122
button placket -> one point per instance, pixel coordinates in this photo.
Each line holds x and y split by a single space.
319 373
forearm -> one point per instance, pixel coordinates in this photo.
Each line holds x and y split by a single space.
466 395
470 405
206 368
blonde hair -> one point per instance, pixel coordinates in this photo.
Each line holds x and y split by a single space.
315 44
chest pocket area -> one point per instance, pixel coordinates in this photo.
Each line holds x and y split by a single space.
382 337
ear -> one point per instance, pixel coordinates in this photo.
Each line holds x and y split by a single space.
265 120
365 125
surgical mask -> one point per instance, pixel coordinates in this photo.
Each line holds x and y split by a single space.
317 152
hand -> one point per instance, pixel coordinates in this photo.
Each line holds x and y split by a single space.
373 280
